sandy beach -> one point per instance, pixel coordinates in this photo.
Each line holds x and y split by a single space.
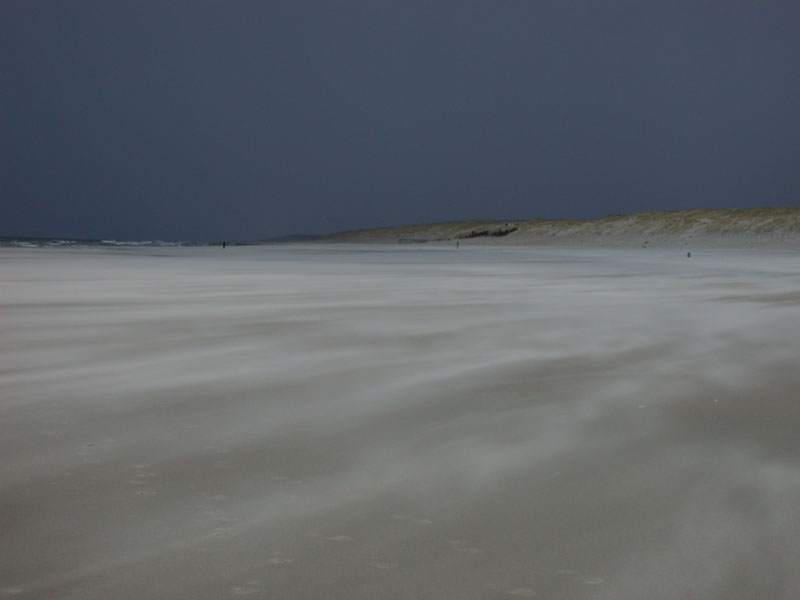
399 421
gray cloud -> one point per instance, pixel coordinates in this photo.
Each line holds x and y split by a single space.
209 121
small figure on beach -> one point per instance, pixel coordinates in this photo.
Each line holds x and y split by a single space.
688 255
456 245
223 245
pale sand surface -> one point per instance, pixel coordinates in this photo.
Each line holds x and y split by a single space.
365 422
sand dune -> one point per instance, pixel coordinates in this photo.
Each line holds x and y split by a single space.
343 421
750 227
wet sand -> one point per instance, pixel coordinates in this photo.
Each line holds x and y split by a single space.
399 422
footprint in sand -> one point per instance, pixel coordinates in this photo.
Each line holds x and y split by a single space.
146 493
280 559
222 532
385 564
412 520
220 515
460 546
579 577
299 500
217 497
141 478
522 592
251 588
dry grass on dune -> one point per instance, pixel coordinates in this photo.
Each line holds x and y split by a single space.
756 223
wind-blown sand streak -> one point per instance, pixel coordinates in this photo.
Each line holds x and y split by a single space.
335 421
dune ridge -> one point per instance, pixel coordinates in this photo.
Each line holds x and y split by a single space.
697 227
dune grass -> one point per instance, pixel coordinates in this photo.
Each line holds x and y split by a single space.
774 222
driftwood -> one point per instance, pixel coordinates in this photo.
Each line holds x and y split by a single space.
500 232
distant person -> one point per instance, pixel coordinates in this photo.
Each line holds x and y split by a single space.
456 245
688 255
223 245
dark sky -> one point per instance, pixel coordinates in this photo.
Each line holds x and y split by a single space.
246 120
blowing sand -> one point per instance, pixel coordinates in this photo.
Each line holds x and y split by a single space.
369 422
